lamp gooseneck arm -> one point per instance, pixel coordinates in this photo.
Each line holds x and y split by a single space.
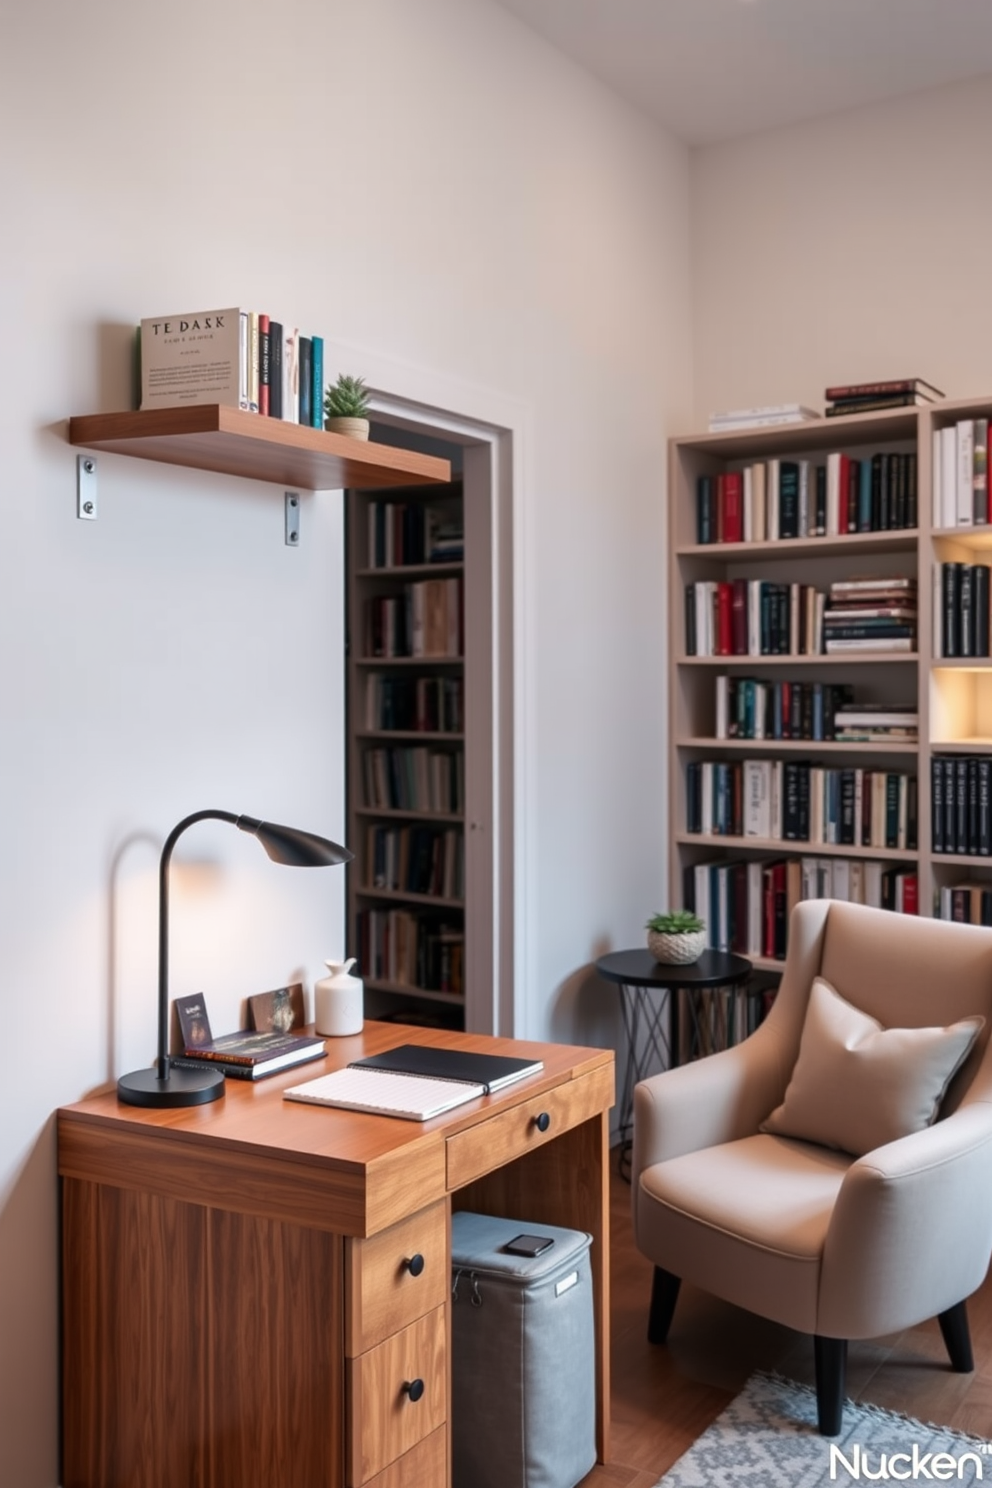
162 1061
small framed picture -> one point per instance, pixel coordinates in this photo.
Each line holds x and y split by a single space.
194 1025
279 1011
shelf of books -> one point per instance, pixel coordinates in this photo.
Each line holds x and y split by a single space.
407 751
831 675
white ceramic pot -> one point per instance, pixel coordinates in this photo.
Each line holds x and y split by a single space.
680 949
338 1001
354 428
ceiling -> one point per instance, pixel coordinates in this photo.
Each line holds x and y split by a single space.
711 70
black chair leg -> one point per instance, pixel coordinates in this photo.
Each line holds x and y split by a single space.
830 1355
664 1295
957 1338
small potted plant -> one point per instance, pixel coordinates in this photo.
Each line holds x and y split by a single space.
677 938
346 407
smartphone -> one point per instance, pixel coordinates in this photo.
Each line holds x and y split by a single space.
529 1245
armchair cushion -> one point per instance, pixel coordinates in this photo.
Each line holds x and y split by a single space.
857 1085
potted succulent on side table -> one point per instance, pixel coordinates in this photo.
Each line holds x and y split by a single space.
677 938
346 407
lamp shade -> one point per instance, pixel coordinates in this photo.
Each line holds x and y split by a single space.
294 847
164 1085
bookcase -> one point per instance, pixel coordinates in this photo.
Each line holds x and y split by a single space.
951 695
410 762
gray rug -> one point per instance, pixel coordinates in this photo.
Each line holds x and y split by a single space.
767 1438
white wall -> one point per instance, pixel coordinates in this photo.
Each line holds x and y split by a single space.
433 184
846 250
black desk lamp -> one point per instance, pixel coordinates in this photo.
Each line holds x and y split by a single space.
163 1085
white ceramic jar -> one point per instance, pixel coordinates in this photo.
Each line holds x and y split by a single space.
337 1001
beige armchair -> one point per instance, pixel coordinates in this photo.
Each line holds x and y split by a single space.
832 1244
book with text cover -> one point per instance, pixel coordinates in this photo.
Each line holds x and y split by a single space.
191 358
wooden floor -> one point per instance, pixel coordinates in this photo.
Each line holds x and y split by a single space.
663 1398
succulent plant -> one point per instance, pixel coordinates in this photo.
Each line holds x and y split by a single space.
347 398
676 922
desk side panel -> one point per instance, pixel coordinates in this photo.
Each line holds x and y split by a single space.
201 1348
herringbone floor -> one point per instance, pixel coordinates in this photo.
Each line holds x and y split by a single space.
663 1398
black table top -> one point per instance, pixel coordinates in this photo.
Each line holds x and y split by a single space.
640 969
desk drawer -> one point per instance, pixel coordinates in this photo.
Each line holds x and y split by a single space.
384 1418
394 1277
502 1138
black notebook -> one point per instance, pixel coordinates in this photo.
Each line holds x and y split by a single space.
491 1071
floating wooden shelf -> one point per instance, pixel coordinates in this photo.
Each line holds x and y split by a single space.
231 442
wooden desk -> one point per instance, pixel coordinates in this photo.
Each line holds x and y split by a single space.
237 1304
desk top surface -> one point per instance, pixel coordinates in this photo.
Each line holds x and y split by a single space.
254 1113
252 1131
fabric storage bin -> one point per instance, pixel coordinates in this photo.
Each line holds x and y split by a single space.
523 1362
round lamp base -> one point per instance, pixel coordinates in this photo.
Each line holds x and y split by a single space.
181 1087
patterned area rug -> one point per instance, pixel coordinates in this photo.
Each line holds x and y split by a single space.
767 1438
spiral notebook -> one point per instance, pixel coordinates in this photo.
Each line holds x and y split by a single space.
384 1093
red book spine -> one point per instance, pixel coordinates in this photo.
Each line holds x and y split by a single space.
740 617
724 619
845 481
733 516
910 894
851 494
721 508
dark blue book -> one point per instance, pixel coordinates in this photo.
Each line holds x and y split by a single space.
275 369
705 525
788 498
306 381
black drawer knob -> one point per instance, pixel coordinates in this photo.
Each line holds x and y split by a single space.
415 1264
542 1122
414 1388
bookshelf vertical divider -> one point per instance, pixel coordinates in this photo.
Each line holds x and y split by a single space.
953 697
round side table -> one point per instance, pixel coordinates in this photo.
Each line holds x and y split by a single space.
648 991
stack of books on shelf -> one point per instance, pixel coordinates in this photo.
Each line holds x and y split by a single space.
753 617
960 797
416 860
968 903
749 708
237 358
746 904
402 533
960 474
768 416
774 500
876 723
796 801
871 614
412 949
875 397
961 598
422 705
425 620
414 778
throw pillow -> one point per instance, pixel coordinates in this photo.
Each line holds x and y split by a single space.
857 1085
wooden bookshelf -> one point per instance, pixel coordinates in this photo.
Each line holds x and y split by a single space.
953 697
231 442
456 922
